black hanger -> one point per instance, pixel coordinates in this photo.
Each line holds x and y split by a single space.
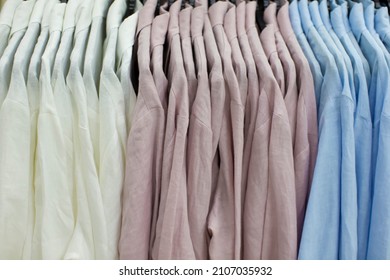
170 2
64 1
158 5
130 8
192 2
280 3
211 2
260 13
384 3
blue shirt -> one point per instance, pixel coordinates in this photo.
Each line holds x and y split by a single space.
363 132
322 9
312 60
344 9
369 17
382 26
320 237
379 232
347 245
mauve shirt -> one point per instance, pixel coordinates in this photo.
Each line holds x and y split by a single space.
239 67
306 137
186 47
269 215
290 74
157 40
226 240
251 100
267 38
144 151
173 240
200 139
217 91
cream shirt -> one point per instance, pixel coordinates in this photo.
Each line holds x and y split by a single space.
34 100
112 130
6 17
53 200
14 145
89 240
92 69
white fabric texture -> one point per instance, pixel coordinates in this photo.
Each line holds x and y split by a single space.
34 99
6 16
54 217
14 145
112 130
89 240
92 68
18 29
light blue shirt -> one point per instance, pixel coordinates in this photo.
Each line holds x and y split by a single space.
379 232
313 63
322 9
344 9
363 132
347 228
382 26
369 17
320 237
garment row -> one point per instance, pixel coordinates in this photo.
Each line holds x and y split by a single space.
347 46
66 103
224 135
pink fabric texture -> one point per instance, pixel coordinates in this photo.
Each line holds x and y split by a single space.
144 151
269 216
306 140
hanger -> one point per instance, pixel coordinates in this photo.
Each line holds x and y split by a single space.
157 8
64 1
211 2
280 3
170 2
261 4
130 8
384 3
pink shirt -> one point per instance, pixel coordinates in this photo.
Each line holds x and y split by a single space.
253 93
306 140
217 90
144 151
200 148
186 47
226 240
173 239
267 37
240 70
157 40
269 215
290 74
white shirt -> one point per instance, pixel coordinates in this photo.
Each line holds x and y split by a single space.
64 107
18 92
92 69
112 130
19 27
54 211
89 240
34 100
6 16
126 38
14 149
